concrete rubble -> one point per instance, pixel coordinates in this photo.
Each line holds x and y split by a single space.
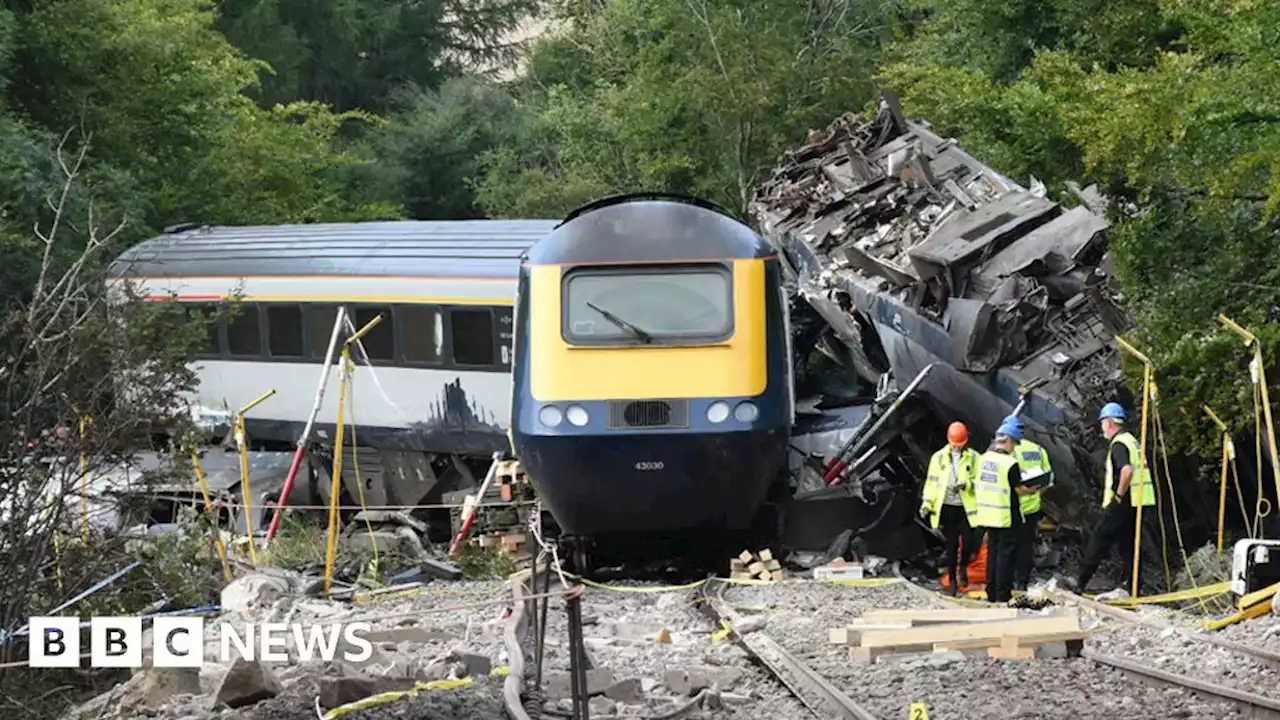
912 252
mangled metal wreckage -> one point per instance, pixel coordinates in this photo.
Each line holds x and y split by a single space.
913 253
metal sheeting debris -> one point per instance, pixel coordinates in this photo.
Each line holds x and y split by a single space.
914 252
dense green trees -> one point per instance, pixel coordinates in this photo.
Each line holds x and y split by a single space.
687 95
1171 106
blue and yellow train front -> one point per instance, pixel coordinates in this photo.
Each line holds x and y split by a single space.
652 397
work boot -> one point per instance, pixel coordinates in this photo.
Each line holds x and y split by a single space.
964 576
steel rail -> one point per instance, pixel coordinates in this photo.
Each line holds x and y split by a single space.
1129 616
1252 700
822 698
1270 707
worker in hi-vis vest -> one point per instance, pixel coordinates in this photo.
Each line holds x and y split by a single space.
1126 485
948 501
1037 475
997 491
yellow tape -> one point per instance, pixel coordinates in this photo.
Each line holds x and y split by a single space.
500 671
389 697
723 633
1192 594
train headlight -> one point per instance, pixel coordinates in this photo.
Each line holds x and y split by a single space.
577 415
550 415
718 411
746 412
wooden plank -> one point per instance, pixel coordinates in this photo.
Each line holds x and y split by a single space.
946 615
851 634
1014 647
982 643
777 575
756 568
765 555
772 565
1015 653
926 637
746 557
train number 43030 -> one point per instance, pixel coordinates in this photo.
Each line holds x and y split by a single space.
650 465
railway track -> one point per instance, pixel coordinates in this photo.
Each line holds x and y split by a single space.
1257 706
822 698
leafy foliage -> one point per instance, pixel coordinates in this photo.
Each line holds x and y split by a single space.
684 95
1167 106
358 55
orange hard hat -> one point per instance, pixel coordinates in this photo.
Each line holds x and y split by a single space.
958 434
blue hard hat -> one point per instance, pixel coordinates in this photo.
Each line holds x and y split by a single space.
1013 420
1010 430
1111 410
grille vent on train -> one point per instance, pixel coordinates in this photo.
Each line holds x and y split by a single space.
648 414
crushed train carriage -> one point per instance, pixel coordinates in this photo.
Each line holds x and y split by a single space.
913 252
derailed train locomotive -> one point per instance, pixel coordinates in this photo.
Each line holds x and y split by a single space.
652 380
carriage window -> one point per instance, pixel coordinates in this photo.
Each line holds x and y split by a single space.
667 305
421 333
379 342
244 336
209 315
284 331
320 329
472 336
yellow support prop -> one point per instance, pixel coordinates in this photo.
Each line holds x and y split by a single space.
347 368
1259 377
1249 613
242 444
213 515
1228 458
1142 447
335 487
1258 596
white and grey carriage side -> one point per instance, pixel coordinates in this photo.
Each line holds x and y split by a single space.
437 386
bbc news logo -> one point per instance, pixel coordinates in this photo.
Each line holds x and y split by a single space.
179 642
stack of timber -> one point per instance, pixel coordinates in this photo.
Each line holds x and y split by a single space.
511 482
759 566
512 544
997 630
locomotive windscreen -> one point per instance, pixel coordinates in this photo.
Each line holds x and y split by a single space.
689 304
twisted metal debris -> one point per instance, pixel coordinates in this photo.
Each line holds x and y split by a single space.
914 252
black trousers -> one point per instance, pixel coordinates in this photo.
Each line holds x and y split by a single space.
957 538
1026 550
1113 530
1002 550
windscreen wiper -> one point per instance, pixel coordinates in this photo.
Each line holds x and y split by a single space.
641 334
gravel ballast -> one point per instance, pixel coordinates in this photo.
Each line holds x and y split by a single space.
955 685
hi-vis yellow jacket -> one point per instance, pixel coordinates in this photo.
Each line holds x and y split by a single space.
939 477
